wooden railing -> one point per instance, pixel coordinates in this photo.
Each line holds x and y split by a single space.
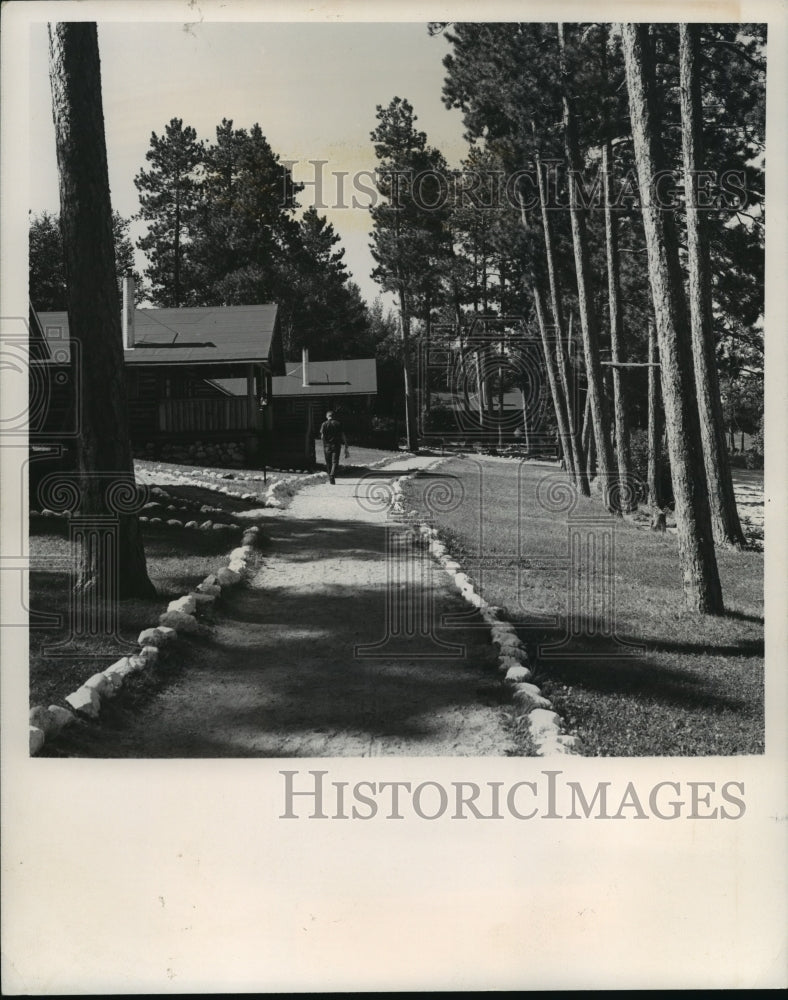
227 414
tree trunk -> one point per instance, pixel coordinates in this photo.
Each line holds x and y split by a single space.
654 435
702 588
573 452
722 502
526 432
588 319
104 458
589 444
410 402
627 495
479 389
552 372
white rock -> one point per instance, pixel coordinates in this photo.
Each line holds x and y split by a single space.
514 656
186 604
191 524
60 717
41 718
150 654
517 674
552 746
179 621
508 643
114 682
210 579
206 526
237 566
242 552
226 577
86 701
209 588
530 695
155 637
544 722
98 683
37 740
137 662
461 579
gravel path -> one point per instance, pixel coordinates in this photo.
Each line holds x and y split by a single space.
278 676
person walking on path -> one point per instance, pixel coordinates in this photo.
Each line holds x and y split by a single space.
332 435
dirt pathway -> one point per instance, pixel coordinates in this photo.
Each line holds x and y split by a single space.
280 674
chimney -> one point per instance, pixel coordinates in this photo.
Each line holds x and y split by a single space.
128 311
304 367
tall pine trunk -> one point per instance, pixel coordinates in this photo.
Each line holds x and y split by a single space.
654 433
103 447
410 401
574 454
551 366
724 515
616 328
588 318
589 445
702 588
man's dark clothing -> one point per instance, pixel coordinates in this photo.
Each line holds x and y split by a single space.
332 435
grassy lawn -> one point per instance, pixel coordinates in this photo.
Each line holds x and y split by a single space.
177 559
697 687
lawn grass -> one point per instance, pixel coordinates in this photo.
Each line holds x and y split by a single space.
177 560
697 688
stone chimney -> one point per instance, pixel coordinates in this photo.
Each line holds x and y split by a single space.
128 311
304 367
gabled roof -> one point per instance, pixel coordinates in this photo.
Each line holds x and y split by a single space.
356 377
193 336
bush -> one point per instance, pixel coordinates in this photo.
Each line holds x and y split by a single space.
382 432
441 420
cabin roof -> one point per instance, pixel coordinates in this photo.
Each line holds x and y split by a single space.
354 377
188 335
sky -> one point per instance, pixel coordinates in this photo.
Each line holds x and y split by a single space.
312 87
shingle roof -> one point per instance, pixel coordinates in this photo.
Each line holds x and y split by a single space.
355 377
198 335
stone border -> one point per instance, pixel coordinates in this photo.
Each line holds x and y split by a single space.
180 617
544 724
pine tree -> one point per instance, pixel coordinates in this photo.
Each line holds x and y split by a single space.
103 446
724 516
168 195
702 588
408 234
585 296
48 291
243 224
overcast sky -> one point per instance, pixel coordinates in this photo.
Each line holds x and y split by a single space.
313 88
